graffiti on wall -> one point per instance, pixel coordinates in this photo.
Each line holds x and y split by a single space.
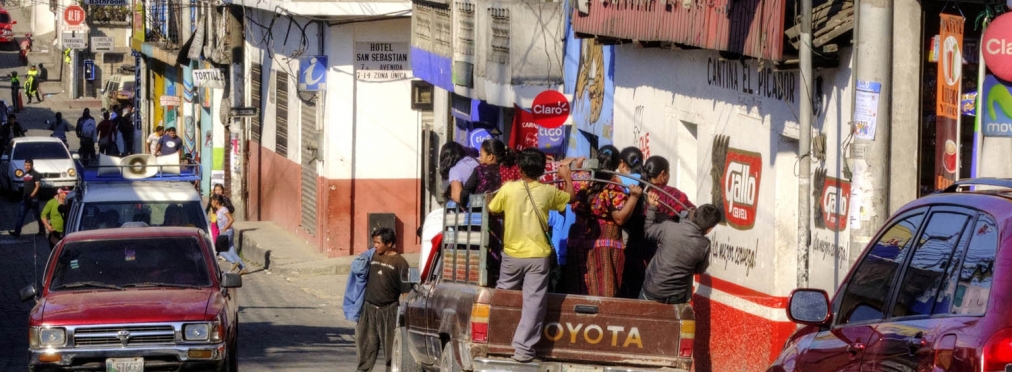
736 175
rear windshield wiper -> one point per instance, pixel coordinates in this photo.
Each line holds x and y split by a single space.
162 284
89 284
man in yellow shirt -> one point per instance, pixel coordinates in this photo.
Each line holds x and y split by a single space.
526 250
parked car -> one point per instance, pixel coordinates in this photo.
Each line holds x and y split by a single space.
51 159
930 293
134 299
6 27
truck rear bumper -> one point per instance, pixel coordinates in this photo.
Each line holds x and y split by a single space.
510 365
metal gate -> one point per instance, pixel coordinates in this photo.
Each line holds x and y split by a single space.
310 153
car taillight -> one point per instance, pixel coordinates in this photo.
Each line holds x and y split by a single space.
686 338
479 323
998 351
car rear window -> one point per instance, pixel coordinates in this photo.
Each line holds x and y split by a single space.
124 263
97 215
40 150
127 85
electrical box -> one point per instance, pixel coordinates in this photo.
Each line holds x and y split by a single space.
89 69
378 220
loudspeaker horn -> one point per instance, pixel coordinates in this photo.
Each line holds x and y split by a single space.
169 164
139 166
108 164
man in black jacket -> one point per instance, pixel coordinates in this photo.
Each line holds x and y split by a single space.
683 250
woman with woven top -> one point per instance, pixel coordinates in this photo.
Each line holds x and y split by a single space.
596 257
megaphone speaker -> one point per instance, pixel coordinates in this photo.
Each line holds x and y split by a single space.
108 164
169 163
139 166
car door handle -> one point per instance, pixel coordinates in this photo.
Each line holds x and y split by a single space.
914 344
855 348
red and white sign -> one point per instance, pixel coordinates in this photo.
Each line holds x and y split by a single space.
740 186
73 19
998 47
525 130
835 203
550 109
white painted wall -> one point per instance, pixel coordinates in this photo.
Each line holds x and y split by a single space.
682 109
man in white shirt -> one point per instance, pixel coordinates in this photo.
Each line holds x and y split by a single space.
153 139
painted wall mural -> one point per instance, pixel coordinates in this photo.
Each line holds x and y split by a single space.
589 76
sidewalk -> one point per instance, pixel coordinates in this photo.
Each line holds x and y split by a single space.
279 251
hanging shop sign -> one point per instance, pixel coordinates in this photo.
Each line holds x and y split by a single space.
950 74
209 78
382 61
998 46
550 109
996 109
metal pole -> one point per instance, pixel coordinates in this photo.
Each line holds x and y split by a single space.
869 159
805 145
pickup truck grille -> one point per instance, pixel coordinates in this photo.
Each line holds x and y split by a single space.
51 175
140 335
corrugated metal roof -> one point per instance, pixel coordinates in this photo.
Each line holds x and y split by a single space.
753 28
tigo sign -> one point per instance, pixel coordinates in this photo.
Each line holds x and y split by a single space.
997 109
997 47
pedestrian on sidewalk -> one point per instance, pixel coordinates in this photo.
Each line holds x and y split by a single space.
126 130
683 250
527 251
16 92
107 136
52 216
30 198
32 85
224 221
170 144
383 289
153 139
218 189
86 130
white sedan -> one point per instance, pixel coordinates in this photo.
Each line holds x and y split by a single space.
50 158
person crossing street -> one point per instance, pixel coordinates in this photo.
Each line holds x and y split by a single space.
16 92
32 85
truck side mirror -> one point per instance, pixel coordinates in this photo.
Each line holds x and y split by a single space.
413 276
4 158
231 280
28 292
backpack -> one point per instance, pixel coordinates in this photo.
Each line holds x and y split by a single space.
86 129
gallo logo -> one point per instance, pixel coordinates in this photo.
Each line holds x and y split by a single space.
835 203
740 187
550 109
593 334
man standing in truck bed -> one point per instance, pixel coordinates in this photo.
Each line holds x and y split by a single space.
383 289
683 250
525 262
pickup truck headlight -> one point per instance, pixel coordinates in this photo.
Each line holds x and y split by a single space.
72 172
197 332
52 337
19 173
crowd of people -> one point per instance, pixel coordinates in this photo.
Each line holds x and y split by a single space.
618 230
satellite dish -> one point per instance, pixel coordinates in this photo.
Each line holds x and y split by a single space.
139 166
108 164
168 163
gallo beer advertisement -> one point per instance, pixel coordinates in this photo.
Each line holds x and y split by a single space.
950 66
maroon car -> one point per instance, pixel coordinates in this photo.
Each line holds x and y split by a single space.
921 296
134 299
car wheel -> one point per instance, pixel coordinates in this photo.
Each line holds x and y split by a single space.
448 359
233 353
402 359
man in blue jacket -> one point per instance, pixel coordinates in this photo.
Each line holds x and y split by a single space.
377 320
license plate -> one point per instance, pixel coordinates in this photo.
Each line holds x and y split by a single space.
124 365
575 368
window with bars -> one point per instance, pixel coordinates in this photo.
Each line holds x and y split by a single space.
282 122
256 84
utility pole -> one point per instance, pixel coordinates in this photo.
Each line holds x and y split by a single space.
869 158
805 145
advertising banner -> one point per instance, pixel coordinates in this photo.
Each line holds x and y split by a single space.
950 66
996 108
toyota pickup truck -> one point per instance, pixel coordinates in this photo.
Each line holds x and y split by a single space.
454 319
134 299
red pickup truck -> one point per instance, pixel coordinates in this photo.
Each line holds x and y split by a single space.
134 299
454 320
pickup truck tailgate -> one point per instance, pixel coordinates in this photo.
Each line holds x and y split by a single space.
599 330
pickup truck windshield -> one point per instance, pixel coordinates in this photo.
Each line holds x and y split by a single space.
115 264
101 215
